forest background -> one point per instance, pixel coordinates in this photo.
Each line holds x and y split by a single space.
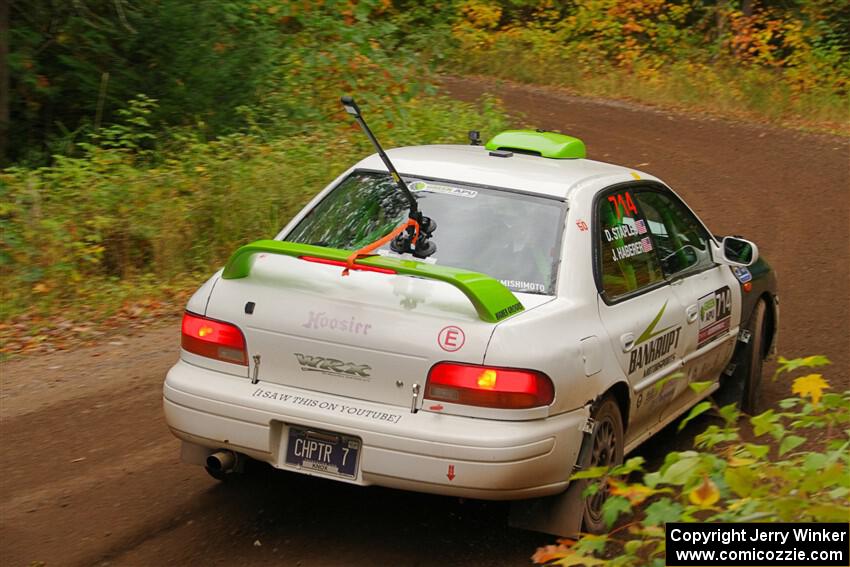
143 141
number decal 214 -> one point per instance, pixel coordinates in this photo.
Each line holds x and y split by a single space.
621 204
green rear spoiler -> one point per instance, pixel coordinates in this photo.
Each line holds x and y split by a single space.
492 300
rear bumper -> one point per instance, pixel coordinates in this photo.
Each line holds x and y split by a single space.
492 460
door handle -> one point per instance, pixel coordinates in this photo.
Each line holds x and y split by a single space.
692 311
627 341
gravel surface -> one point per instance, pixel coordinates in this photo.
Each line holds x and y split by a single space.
91 475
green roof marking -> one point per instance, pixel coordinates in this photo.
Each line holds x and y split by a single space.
547 144
492 300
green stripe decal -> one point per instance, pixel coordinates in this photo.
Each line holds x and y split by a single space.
650 331
492 301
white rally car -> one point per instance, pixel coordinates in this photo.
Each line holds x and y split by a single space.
534 337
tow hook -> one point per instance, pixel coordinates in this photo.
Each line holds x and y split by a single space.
256 376
414 402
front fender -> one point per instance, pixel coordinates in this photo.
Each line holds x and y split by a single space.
764 287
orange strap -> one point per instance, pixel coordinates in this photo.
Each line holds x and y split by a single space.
366 250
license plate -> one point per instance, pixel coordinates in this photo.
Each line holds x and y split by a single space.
322 451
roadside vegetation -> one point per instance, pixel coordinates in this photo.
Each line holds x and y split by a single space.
144 141
781 62
787 464
116 205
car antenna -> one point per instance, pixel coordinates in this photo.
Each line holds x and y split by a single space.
408 241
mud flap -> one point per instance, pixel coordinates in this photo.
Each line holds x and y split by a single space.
562 513
194 454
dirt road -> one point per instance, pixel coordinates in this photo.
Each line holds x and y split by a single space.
91 476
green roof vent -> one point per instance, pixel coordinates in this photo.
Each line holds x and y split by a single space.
538 142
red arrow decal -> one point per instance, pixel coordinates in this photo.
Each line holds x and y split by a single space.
451 474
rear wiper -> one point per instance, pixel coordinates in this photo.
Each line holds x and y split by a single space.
415 239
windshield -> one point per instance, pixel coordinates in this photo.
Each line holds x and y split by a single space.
512 237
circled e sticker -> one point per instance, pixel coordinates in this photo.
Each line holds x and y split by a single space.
451 338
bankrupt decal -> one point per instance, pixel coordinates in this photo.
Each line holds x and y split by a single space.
654 349
654 354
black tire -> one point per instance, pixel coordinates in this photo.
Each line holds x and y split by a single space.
607 450
754 360
743 388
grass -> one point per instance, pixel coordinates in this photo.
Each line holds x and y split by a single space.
87 237
739 92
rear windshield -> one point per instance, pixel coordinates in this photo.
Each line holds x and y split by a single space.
512 237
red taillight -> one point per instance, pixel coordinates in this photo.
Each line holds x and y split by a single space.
213 339
485 386
342 264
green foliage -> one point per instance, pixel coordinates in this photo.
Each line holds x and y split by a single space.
225 66
150 138
217 66
73 65
123 213
178 130
785 62
745 470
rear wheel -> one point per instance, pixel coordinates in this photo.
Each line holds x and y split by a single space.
607 451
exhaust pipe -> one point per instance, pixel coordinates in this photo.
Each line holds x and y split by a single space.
221 462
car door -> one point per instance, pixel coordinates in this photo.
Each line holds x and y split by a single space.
708 291
644 319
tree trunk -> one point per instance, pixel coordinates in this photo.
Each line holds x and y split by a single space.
4 80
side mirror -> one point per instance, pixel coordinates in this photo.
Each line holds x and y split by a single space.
735 251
